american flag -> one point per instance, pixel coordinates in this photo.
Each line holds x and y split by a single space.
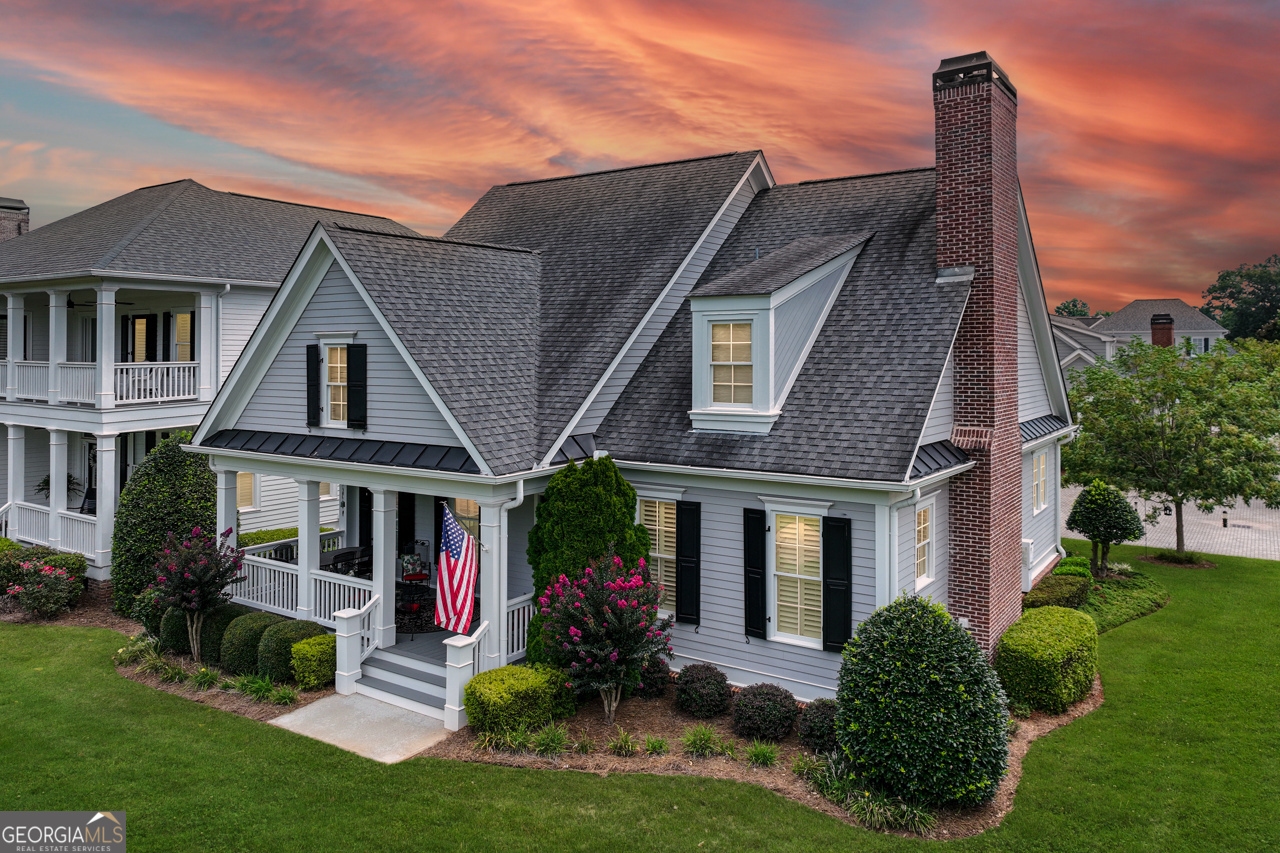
455 598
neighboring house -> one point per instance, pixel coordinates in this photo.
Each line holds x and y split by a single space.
806 384
122 322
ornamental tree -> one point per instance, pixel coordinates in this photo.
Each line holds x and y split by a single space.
1072 308
602 628
193 574
1247 299
1104 516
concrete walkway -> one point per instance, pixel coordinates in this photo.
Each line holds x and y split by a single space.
365 726
1251 532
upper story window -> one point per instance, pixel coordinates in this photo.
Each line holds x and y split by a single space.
336 384
924 544
1039 481
659 518
183 340
731 379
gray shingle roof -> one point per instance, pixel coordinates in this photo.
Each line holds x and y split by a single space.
779 268
179 229
468 314
1136 317
610 242
860 402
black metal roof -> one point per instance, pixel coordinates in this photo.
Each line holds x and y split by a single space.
938 456
1040 427
575 447
396 454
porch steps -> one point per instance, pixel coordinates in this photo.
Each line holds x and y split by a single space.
403 681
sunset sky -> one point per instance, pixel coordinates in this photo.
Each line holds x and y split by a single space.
1149 132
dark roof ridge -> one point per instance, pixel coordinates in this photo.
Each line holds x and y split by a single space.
179 187
858 177
430 239
300 204
628 168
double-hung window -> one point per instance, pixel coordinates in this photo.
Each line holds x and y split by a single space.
731 364
183 339
924 544
1039 481
246 491
659 518
797 576
335 376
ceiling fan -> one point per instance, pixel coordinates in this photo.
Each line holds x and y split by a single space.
71 303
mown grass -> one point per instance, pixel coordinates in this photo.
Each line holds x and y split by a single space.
1115 601
1180 757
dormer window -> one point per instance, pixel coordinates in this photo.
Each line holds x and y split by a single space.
731 363
336 383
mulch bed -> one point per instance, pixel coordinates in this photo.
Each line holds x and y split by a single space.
223 700
659 717
91 610
1152 558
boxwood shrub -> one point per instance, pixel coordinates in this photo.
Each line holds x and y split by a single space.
1047 659
509 697
239 652
275 649
702 690
1058 591
214 629
920 713
173 632
315 660
564 702
817 726
764 712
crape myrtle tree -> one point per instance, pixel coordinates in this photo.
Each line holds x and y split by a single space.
1072 308
1246 300
193 574
1179 429
1104 516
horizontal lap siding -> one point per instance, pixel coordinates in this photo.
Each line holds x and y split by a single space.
1042 527
797 322
937 590
37 464
242 308
278 506
399 408
938 425
1033 394
519 572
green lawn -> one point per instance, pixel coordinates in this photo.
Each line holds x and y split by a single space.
1181 757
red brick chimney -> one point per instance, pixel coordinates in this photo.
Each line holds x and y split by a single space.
1161 330
976 110
15 218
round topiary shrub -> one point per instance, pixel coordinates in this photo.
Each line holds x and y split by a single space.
171 490
239 652
1059 591
275 649
508 697
764 712
655 676
1047 659
214 628
173 632
315 661
703 691
817 726
920 713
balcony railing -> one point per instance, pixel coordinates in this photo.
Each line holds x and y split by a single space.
32 379
154 382
135 382
78 382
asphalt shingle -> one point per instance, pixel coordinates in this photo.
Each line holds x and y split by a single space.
778 269
1136 317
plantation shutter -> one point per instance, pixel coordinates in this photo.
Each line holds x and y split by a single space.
688 562
358 386
753 550
313 385
837 583
166 339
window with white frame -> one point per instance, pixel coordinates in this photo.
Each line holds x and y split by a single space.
924 543
183 338
328 490
1039 481
335 375
797 576
246 491
659 518
731 364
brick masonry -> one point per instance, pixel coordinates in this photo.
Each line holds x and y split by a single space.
14 223
976 145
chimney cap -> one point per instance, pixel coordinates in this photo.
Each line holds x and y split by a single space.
1161 320
13 204
971 68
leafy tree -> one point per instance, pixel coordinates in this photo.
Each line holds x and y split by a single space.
1072 308
1246 300
1104 516
192 576
171 490
1179 429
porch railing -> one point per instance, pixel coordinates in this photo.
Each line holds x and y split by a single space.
519 612
463 661
79 533
152 382
332 593
77 382
32 379
4 519
286 550
4 373
29 522
268 585
355 629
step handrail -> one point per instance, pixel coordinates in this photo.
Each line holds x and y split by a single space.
462 663
356 640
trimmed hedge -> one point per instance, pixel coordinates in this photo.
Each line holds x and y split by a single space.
703 691
509 697
764 712
1058 591
239 652
214 629
564 702
262 537
173 632
1073 566
1047 659
275 649
8 544
315 660
817 726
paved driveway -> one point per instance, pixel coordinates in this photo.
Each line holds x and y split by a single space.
1250 532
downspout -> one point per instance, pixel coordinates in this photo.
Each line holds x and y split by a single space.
893 540
1057 510
502 566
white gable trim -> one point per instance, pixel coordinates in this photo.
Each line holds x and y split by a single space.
1038 314
1077 356
1073 329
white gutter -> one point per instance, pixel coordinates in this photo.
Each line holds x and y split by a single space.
502 566
798 479
893 539
142 276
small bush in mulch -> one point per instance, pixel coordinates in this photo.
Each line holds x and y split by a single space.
275 649
655 676
817 726
1075 566
508 698
315 660
239 653
703 691
764 712
214 628
1058 591
1184 558
43 591
1047 659
173 632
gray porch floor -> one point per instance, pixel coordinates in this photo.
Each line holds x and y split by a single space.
428 647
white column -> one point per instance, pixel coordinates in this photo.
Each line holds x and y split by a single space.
384 564
205 345
57 342
17 464
492 606
17 328
57 484
227 505
106 349
885 547
108 494
308 541
347 623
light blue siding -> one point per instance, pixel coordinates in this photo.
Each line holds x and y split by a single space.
1033 394
937 589
938 425
1041 527
519 572
796 323
239 313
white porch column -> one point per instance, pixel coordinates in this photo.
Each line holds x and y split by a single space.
205 345
108 493
492 605
106 351
57 484
57 342
384 564
227 505
17 328
17 463
308 541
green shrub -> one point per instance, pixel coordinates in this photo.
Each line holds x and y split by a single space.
275 649
764 712
762 753
8 544
1184 558
148 610
1058 591
920 712
43 591
564 701
655 675
507 697
171 490
551 740
623 744
656 746
874 810
214 628
1104 516
239 652
703 691
283 694
1073 560
173 632
255 687
1075 566
1047 659
702 741
248 539
315 660
817 726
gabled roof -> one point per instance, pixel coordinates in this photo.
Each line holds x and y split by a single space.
1136 317
182 229
777 269
610 243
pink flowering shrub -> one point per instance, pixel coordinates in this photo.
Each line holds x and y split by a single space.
602 628
193 574
43 591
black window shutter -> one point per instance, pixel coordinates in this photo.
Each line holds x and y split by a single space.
837 583
126 338
688 562
753 550
152 322
166 339
358 386
313 385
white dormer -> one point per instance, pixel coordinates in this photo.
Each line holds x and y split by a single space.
753 329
